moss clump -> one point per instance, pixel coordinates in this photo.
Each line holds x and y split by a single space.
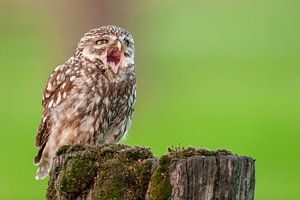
182 153
69 149
76 176
160 186
123 176
116 172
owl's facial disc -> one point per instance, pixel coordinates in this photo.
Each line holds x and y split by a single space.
114 55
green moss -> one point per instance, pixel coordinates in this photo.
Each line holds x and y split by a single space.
145 175
124 176
160 186
118 172
62 150
182 153
138 154
110 181
76 176
69 149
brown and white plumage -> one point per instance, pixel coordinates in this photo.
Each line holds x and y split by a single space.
90 98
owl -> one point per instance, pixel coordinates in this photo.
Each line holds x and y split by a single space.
90 98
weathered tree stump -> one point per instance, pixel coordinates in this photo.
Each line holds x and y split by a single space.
120 172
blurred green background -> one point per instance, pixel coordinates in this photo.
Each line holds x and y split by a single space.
212 73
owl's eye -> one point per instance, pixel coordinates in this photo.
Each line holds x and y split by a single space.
102 41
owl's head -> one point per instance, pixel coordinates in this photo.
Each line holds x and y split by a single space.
111 45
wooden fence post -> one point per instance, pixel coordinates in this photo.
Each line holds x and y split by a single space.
120 172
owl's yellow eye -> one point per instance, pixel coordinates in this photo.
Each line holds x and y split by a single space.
102 41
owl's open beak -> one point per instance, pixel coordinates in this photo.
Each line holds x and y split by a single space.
119 45
114 54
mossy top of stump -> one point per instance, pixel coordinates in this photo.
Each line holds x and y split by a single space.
116 172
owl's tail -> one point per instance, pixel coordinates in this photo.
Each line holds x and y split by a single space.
43 163
43 169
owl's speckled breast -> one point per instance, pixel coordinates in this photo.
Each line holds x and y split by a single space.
97 110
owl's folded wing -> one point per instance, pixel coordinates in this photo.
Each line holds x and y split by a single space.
57 88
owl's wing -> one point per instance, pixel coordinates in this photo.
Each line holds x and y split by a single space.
57 89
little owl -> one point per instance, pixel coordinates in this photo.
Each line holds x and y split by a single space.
90 98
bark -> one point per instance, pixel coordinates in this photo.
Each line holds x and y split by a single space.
123 172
